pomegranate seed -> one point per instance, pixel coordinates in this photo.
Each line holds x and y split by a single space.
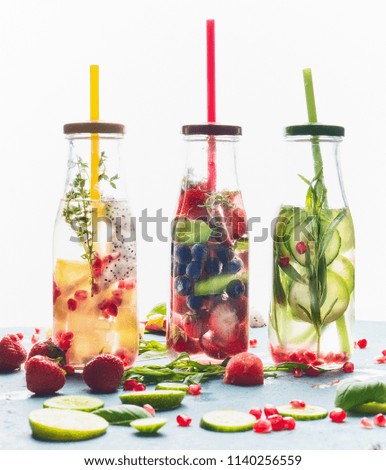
380 420
34 339
72 304
130 384
366 423
97 267
139 388
297 403
362 343
337 415
293 357
329 357
253 343
256 412
121 284
194 389
129 284
20 336
380 359
284 261
116 301
117 293
111 310
81 295
317 362
69 369
149 409
95 289
277 422
384 352
289 423
301 248
262 426
312 371
309 356
348 367
184 420
270 410
297 372
37 330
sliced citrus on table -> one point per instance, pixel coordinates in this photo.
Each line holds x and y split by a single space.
74 402
159 399
309 412
172 386
227 421
148 425
51 424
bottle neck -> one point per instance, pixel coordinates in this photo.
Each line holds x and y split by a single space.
313 160
211 163
94 166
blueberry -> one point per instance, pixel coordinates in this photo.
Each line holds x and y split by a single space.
225 254
199 252
213 266
235 288
233 266
182 285
179 269
193 270
183 254
194 302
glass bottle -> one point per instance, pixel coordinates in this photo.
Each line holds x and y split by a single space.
312 309
208 315
94 279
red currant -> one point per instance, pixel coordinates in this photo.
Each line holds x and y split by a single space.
183 420
297 404
348 367
277 422
380 420
289 423
366 423
256 412
297 372
362 343
194 389
270 410
262 426
149 409
337 415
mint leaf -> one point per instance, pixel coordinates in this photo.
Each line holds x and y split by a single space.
122 415
351 394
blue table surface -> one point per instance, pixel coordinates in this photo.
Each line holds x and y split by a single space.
16 402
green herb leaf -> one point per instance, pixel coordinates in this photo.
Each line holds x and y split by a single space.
122 415
353 393
329 233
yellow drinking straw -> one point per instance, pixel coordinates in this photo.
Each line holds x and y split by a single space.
94 116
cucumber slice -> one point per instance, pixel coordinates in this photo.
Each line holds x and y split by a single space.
242 244
370 408
335 305
172 386
344 267
310 412
74 402
227 421
160 399
189 232
148 425
50 424
299 233
217 284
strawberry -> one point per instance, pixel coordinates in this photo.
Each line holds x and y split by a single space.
104 373
43 375
12 353
192 203
196 325
48 349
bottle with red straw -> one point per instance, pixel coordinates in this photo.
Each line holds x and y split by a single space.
208 315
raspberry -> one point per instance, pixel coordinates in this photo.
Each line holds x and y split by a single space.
149 409
277 422
337 415
183 420
256 412
297 404
43 375
289 423
12 353
366 423
380 420
262 426
348 367
194 389
362 343
270 410
103 373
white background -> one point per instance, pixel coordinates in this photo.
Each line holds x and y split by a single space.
153 64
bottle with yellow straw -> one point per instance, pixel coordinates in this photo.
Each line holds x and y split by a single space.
94 280
312 310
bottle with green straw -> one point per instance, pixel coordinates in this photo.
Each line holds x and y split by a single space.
312 309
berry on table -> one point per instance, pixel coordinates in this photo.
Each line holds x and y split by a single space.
270 410
362 343
297 372
104 373
49 349
12 353
380 420
244 369
312 371
130 384
337 415
43 375
139 387
262 426
348 367
297 404
380 359
276 421
366 423
256 412
384 352
289 423
194 389
183 420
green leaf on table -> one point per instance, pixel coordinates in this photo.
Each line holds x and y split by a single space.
122 415
354 393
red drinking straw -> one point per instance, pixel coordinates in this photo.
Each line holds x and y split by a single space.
211 101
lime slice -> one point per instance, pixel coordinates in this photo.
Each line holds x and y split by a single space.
334 306
308 413
159 400
227 421
172 386
148 425
217 284
189 232
74 402
344 267
49 424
